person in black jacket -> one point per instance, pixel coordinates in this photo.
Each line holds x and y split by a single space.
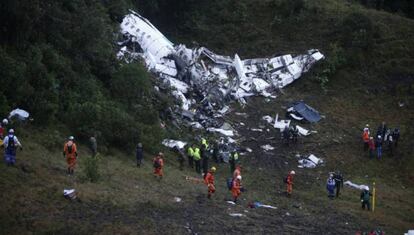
139 154
204 158
339 182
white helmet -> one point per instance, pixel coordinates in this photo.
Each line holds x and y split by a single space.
366 188
239 177
71 137
11 131
5 121
292 172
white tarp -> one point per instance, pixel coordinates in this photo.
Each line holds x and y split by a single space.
19 114
174 143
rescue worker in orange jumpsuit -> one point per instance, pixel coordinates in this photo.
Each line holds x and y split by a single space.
209 181
289 183
158 164
236 188
365 137
71 153
237 171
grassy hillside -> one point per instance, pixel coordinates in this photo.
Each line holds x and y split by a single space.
367 72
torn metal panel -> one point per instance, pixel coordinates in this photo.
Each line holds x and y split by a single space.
307 112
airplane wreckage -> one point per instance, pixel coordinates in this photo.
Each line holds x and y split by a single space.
205 82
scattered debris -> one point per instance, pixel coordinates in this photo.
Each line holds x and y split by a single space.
177 199
231 202
310 162
301 110
267 147
237 214
70 194
256 129
356 186
174 143
304 132
202 81
259 204
281 124
268 119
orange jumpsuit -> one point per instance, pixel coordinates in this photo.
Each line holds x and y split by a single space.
70 155
235 190
158 171
209 181
289 184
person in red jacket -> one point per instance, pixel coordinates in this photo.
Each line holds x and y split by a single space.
158 164
365 137
209 181
236 188
289 183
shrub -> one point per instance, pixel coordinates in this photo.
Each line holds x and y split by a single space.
91 169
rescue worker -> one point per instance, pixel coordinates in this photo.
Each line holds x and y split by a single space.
396 136
1 132
190 155
237 172
365 138
330 186
339 182
294 133
209 181
286 135
93 145
382 130
216 152
10 143
236 188
365 199
204 157
197 159
371 145
234 159
180 158
390 143
204 142
289 183
158 164
378 146
139 154
71 153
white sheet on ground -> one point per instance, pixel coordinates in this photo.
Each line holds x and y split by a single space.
356 186
310 162
174 143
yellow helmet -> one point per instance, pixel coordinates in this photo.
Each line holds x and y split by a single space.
213 169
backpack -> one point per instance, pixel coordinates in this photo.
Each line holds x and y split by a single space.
157 163
229 183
